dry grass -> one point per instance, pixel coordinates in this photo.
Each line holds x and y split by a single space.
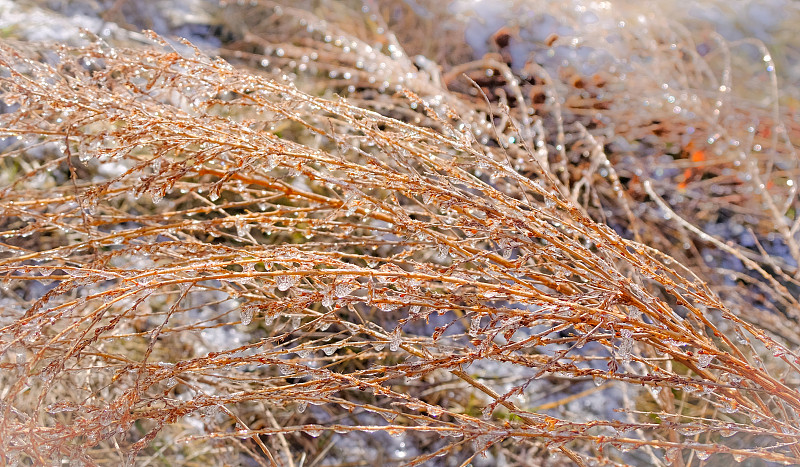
207 261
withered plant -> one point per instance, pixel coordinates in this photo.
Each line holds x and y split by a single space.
285 255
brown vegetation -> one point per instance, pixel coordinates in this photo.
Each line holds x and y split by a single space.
210 260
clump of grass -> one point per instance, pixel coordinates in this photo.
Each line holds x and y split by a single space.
202 261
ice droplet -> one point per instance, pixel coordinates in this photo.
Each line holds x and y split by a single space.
327 298
703 360
671 455
626 347
242 228
702 454
247 313
506 247
394 339
61 407
214 192
388 306
286 282
474 325
435 411
269 319
443 251
729 406
690 430
343 289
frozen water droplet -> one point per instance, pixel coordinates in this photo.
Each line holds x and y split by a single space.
327 298
247 313
671 454
474 325
702 454
730 406
443 251
242 227
626 346
269 319
703 360
435 411
286 282
214 192
506 247
690 430
60 407
343 289
388 306
394 339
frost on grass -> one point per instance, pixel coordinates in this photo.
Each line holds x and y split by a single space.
221 251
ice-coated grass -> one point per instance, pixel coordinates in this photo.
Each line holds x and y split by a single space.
316 247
